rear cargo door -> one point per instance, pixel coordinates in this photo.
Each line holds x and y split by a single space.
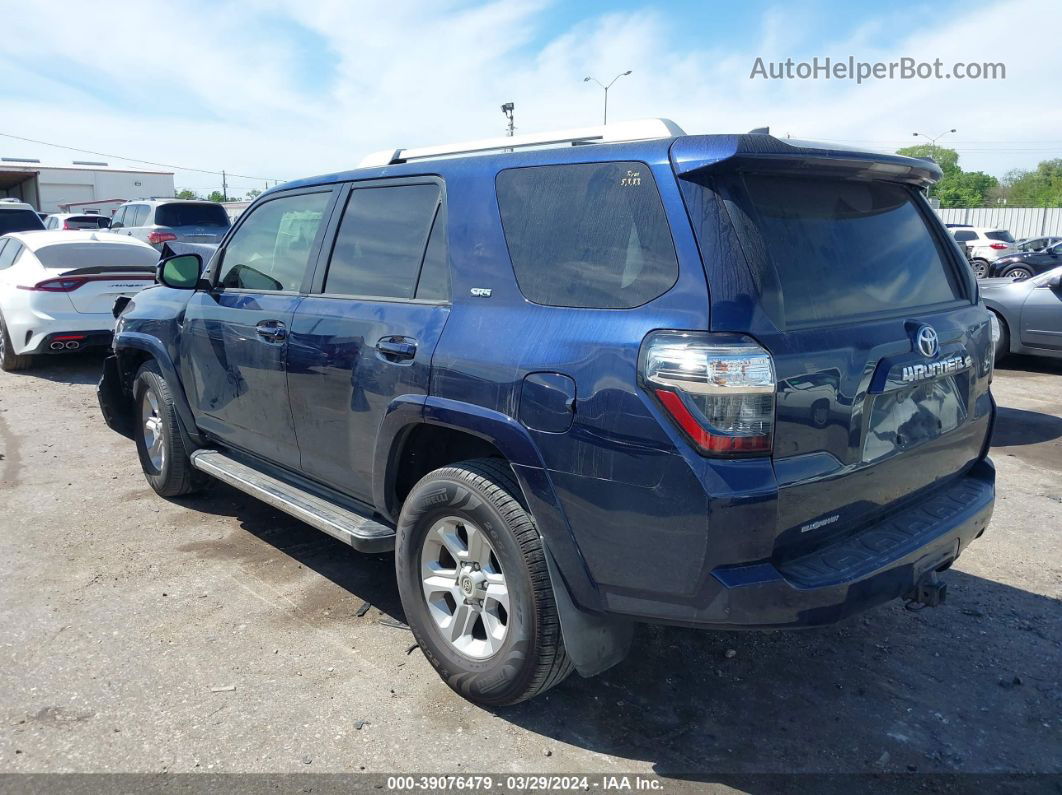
96 271
881 354
97 292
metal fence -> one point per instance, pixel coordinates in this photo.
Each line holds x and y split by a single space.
1021 221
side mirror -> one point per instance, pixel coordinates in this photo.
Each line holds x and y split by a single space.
181 272
1055 282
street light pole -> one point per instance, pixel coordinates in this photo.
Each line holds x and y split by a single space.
606 88
933 144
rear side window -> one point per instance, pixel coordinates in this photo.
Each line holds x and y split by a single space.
839 249
191 215
19 221
588 235
381 241
8 251
1002 235
964 235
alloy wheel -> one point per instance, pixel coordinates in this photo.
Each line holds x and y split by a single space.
464 587
152 430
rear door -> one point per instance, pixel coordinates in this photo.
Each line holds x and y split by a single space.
881 354
367 332
234 343
1041 317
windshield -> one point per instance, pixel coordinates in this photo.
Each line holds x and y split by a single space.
97 254
1002 235
191 215
829 249
19 221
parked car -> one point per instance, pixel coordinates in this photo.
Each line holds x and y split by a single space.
16 216
1028 312
77 221
1036 243
986 246
157 221
57 289
1022 266
723 381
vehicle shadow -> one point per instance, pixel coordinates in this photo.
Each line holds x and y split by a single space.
967 687
66 368
1031 364
1014 427
368 577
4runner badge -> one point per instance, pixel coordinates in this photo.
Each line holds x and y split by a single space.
920 372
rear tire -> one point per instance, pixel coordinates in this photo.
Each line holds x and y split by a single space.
458 524
9 360
159 443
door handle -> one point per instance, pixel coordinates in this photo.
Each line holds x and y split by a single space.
397 349
272 330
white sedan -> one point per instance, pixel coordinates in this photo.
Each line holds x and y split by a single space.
57 290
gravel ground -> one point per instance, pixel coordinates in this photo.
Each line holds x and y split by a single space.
216 634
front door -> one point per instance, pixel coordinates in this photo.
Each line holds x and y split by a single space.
366 333
235 336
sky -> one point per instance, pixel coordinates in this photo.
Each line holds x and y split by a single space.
274 90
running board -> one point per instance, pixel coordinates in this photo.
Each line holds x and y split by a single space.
361 532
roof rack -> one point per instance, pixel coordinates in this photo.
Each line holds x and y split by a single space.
638 130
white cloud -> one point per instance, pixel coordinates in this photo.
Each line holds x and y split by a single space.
225 85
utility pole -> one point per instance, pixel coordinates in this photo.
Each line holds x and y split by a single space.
614 79
224 187
508 109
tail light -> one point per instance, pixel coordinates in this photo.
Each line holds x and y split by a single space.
718 388
60 284
66 225
998 246
155 238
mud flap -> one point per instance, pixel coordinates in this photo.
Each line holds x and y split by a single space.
593 642
114 403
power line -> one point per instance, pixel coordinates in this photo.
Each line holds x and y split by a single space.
135 160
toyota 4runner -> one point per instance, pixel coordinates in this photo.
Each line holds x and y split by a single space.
585 379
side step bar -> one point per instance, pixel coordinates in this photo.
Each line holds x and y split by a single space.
361 532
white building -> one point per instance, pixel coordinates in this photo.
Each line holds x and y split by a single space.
82 185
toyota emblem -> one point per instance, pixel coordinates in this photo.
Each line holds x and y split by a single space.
927 341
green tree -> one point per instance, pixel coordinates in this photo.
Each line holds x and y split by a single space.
217 196
957 188
253 194
1039 188
187 194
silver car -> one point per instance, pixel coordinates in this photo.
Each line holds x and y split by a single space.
1029 313
158 221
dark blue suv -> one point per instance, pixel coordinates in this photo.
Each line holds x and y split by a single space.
582 380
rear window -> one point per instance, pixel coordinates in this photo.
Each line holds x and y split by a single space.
840 249
191 215
588 235
1002 235
87 222
19 221
96 254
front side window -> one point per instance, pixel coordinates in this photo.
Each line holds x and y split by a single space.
587 235
381 241
271 249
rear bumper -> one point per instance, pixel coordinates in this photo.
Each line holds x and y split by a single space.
875 565
71 341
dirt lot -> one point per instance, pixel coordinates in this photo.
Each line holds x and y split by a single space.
215 634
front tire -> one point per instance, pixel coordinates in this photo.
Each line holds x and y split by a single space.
1003 343
474 585
980 268
9 360
159 443
1019 274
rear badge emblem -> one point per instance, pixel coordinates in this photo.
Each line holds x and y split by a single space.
927 341
481 292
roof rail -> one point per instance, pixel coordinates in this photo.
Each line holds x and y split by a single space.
638 130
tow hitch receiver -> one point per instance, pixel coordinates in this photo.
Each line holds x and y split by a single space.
927 592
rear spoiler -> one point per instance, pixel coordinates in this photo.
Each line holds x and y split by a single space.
109 269
701 154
